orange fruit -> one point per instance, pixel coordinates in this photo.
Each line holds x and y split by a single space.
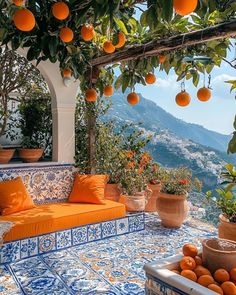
229 288
183 99
189 274
198 260
24 20
221 275
204 94
66 34
60 10
162 58
133 98
190 250
187 262
18 2
66 73
150 78
108 47
233 274
185 7
91 95
108 90
205 280
121 40
176 271
201 270
216 289
87 32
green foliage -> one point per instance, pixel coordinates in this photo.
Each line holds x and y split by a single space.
178 181
225 199
35 120
232 143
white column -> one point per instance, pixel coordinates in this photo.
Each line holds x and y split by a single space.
63 110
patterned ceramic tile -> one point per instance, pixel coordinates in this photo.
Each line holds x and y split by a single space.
122 226
47 243
79 235
108 228
10 251
7 283
94 232
46 184
63 239
109 266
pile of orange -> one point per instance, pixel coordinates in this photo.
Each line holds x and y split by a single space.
190 267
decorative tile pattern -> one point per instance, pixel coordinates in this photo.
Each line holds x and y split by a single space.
45 184
7 283
112 266
21 249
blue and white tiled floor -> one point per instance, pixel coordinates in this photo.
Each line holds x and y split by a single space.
113 266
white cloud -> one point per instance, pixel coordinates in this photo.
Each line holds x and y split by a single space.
169 82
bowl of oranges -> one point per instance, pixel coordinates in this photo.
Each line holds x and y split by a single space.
188 273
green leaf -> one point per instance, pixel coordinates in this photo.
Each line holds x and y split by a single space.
121 25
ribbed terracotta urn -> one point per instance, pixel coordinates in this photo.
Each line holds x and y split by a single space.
6 155
151 204
226 229
30 155
112 192
218 253
172 209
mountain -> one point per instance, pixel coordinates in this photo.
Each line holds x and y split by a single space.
175 142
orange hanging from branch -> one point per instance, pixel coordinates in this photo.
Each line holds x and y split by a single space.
87 32
162 58
108 47
60 10
185 7
204 94
150 78
183 99
18 2
66 34
121 40
108 90
91 95
67 73
24 20
133 98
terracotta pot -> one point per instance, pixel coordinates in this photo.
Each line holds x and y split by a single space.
134 203
172 209
151 205
218 253
112 192
6 155
226 229
30 155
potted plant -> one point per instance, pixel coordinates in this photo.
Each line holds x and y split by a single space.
225 200
35 125
172 205
154 184
133 182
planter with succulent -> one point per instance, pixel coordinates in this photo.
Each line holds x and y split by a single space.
225 200
135 193
35 125
172 205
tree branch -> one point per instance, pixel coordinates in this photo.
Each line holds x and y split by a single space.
221 31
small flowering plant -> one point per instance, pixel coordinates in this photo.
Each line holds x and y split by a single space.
155 173
134 177
178 181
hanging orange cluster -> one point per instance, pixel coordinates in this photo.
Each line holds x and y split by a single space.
183 98
108 46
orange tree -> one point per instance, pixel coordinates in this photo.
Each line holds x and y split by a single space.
189 36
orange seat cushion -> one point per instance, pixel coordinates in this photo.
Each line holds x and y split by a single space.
53 217
14 197
89 189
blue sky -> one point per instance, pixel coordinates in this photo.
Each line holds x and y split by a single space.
216 114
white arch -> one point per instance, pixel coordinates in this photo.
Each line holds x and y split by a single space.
63 110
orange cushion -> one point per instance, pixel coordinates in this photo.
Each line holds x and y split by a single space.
14 197
53 217
88 189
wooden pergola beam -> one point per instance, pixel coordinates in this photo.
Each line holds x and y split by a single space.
221 31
